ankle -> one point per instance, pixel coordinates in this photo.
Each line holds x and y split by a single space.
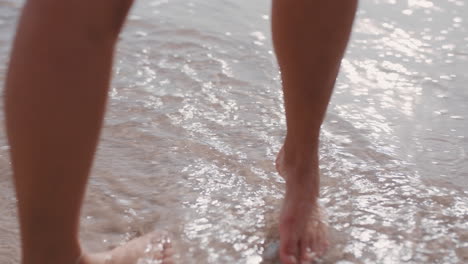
298 165
301 155
49 253
307 188
302 175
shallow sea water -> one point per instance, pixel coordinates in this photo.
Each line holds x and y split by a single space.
195 119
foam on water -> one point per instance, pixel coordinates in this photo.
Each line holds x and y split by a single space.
195 119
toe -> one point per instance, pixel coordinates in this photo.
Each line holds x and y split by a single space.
313 251
289 259
306 251
289 251
322 236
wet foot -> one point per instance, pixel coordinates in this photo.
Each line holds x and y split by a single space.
153 248
303 233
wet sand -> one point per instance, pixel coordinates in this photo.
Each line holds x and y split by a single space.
195 119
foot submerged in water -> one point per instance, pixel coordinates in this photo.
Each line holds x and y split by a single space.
153 248
303 233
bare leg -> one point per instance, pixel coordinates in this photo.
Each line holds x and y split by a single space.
310 38
55 98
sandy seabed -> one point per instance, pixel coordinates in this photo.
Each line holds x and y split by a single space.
195 119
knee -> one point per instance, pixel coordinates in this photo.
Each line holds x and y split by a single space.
96 19
120 9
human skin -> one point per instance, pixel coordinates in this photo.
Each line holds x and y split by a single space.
55 97
56 91
309 38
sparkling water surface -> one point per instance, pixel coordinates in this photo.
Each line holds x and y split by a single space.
195 119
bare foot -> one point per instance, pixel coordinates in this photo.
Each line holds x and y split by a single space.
303 233
153 248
